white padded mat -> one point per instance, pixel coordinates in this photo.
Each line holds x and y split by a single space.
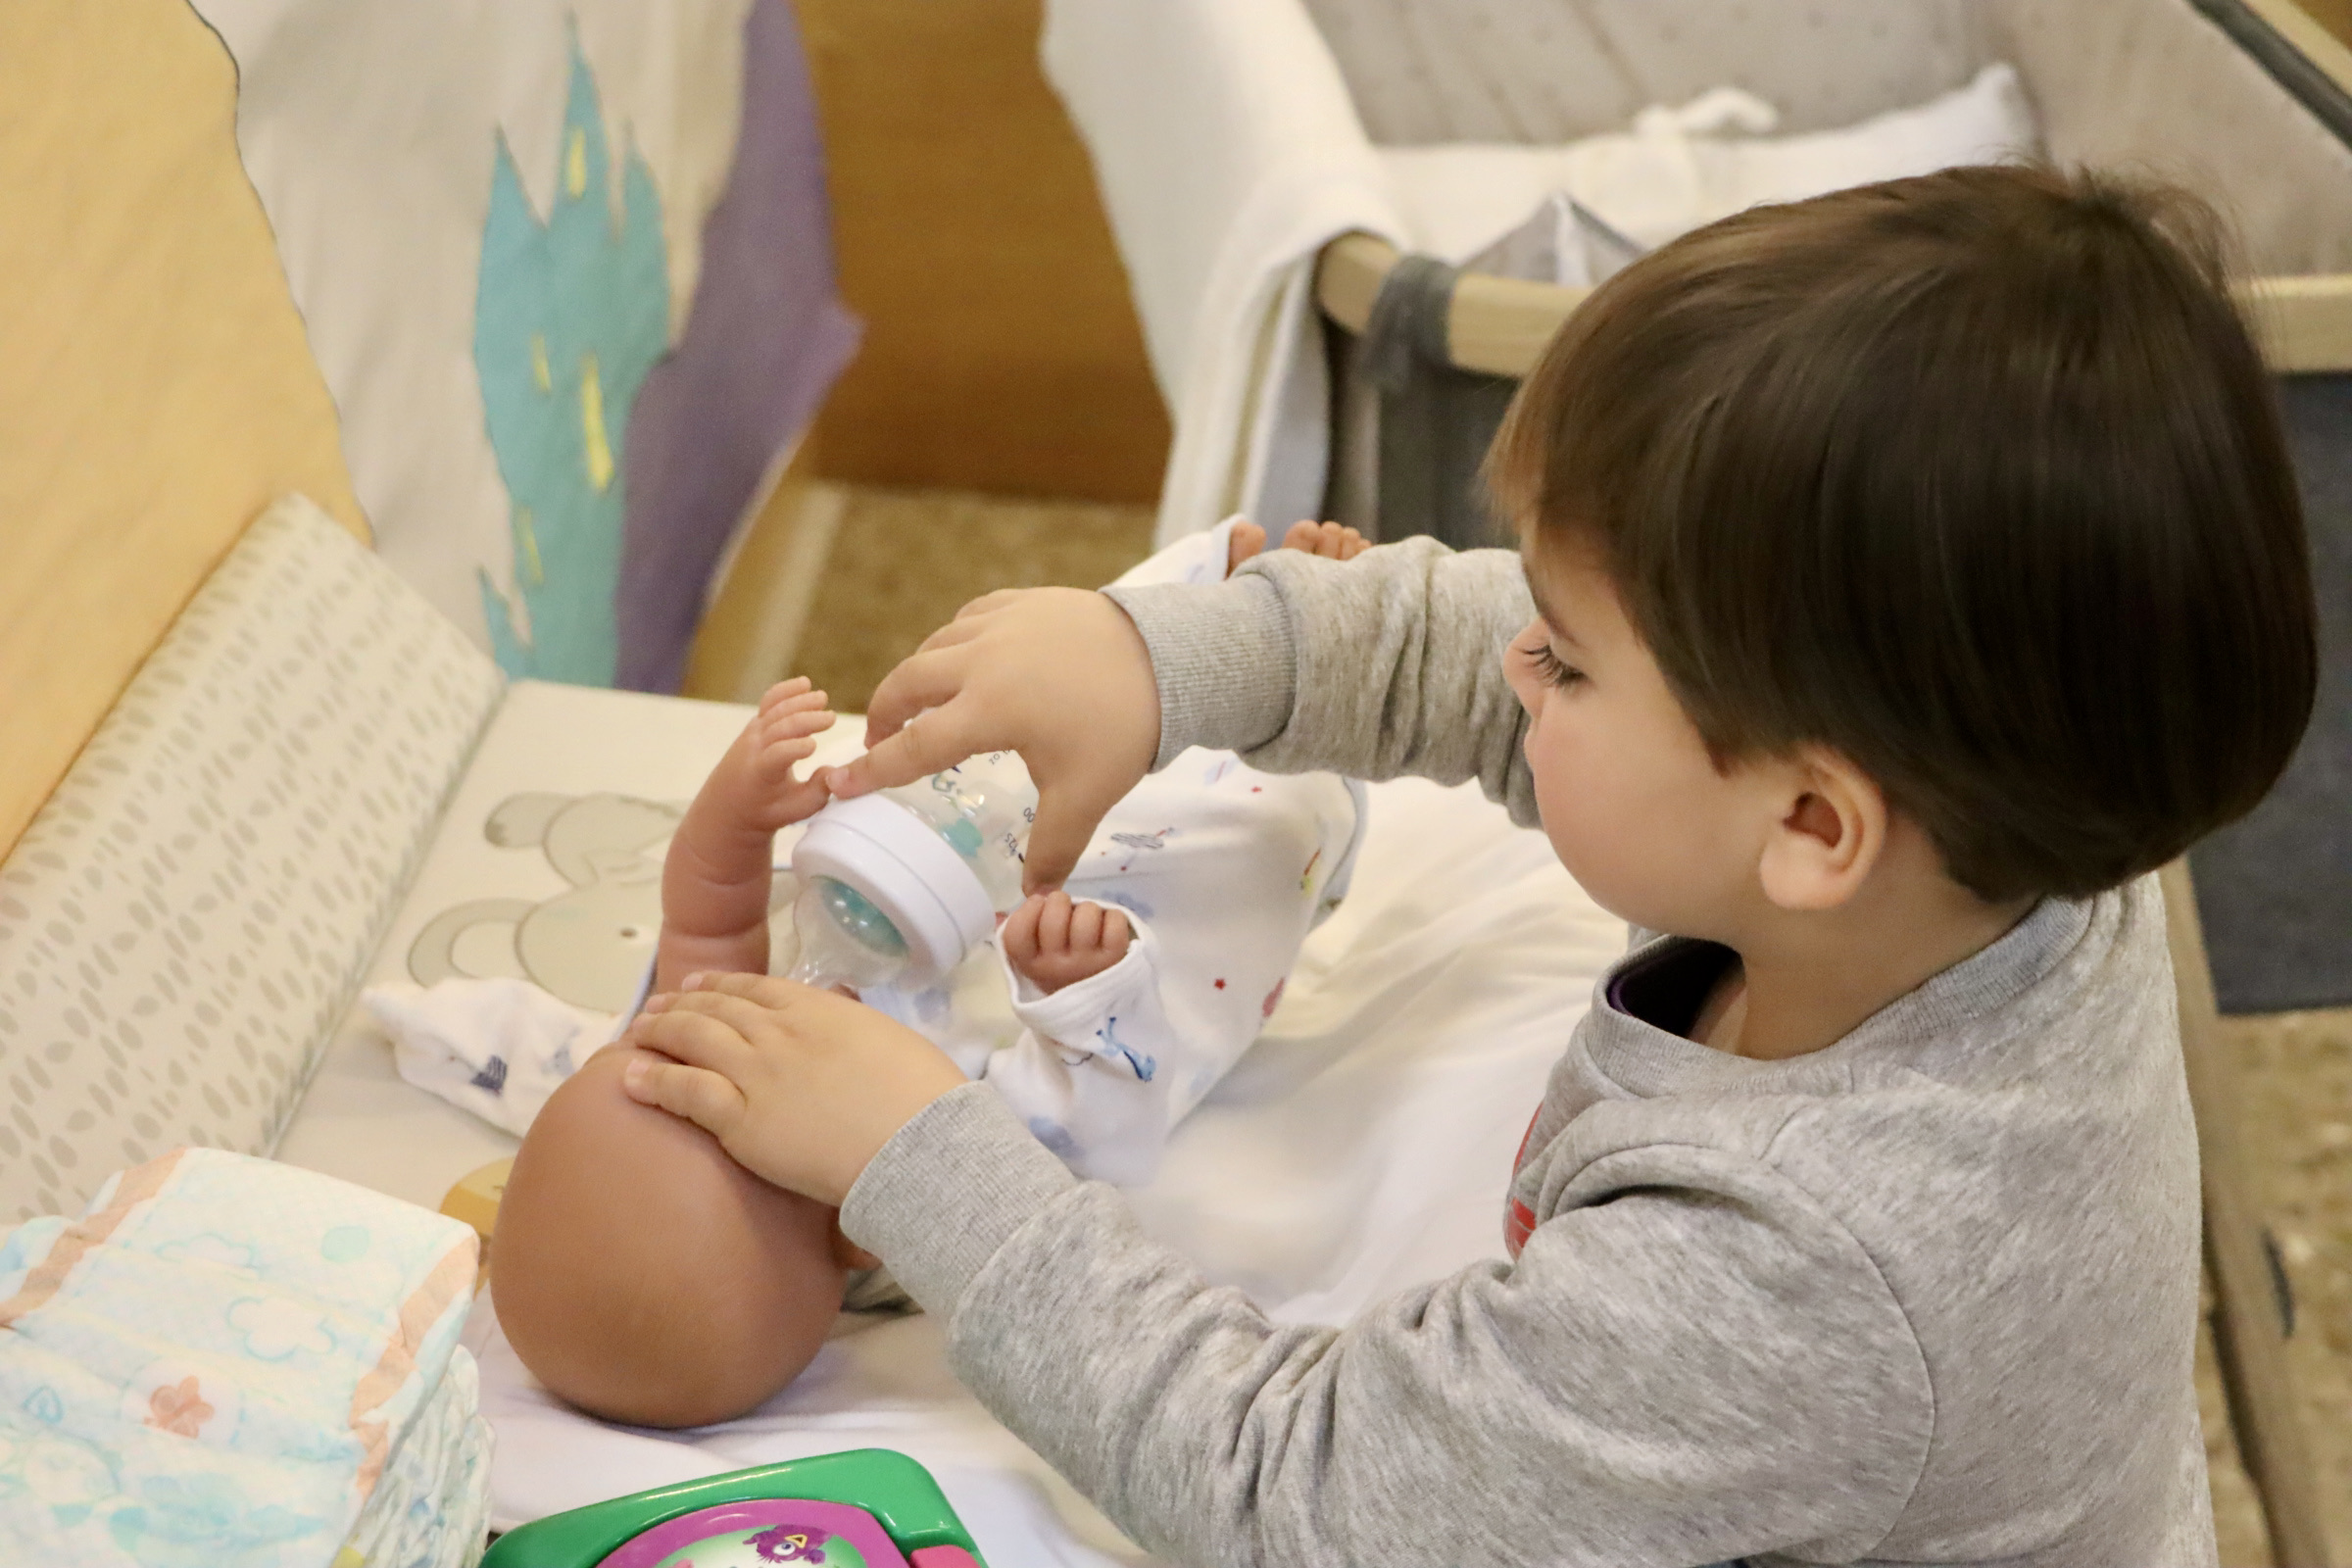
547 866
191 910
1363 1145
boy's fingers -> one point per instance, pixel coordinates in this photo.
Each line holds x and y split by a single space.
1067 818
1116 932
988 601
924 679
689 1037
701 1097
742 1014
772 992
1086 925
917 747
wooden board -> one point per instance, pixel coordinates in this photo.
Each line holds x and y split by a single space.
1501 325
1002 351
154 382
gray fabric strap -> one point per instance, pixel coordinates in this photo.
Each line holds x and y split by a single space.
1406 328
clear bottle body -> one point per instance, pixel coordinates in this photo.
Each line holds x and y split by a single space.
981 809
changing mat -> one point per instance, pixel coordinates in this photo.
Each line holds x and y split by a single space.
1363 1145
229 1361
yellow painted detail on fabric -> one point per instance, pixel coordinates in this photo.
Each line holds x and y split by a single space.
539 371
528 537
575 165
350 1557
592 424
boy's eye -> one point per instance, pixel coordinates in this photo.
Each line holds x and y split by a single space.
1549 667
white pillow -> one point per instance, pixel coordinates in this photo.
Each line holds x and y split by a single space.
1677 169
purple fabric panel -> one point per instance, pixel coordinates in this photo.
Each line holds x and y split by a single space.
763 341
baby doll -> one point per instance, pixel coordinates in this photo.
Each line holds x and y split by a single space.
644 1276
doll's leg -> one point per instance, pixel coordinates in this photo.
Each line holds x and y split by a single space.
644 1276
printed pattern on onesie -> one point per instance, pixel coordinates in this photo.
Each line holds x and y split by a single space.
1221 870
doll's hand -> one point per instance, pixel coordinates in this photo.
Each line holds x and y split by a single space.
780 737
1055 940
800 1085
1059 676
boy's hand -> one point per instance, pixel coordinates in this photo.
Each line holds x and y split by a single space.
1059 676
800 1085
1056 941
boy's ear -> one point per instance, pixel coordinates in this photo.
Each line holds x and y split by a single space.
1831 831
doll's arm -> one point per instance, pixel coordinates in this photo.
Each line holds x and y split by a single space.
714 882
1091 1073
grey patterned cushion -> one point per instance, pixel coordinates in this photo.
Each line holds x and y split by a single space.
190 913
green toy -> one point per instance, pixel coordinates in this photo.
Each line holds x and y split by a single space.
866 1508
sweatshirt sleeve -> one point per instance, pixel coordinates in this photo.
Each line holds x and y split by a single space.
1697 1364
1386 665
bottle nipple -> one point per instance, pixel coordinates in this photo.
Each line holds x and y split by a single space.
844 940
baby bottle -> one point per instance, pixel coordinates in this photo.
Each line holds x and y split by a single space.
901 884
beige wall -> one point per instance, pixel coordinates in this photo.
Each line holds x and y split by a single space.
156 388
1002 352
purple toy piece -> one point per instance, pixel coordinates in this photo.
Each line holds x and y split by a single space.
792 1515
796 1543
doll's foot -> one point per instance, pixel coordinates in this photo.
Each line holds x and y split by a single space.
1247 539
1330 540
1055 940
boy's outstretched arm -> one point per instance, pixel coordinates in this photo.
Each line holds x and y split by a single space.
1691 1359
1386 665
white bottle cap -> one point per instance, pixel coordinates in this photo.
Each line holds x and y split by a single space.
891 856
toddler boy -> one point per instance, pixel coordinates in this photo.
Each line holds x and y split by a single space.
1905 577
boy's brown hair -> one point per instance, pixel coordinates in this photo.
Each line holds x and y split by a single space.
1976 478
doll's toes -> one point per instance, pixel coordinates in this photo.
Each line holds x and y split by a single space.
1247 539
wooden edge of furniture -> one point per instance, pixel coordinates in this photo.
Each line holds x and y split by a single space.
2313 41
473 1200
2249 1323
1500 325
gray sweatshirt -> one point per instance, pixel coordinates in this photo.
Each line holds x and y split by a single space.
1928 1295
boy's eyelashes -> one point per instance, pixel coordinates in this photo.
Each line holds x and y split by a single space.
1549 667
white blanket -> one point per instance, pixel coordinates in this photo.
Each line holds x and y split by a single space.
1228 151
1676 168
1363 1144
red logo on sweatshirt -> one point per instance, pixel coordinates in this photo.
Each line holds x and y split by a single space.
1519 1220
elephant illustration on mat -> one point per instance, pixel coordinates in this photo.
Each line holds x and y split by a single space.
590 943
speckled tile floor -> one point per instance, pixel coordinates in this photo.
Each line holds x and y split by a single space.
902 562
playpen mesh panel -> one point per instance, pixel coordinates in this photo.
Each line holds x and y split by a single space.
183 924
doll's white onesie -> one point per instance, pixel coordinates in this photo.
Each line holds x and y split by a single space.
1222 871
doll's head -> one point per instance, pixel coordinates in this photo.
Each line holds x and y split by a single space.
644 1276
